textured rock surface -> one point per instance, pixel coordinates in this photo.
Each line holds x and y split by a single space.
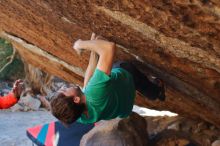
176 40
118 132
216 143
27 103
180 131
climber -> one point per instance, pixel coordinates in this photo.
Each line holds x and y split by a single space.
13 97
107 93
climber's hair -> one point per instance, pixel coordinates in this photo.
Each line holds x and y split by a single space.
65 110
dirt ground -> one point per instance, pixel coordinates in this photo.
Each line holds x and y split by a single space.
13 126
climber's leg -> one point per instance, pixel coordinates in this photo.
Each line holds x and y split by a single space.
152 89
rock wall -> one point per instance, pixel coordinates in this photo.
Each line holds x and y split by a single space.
177 40
118 132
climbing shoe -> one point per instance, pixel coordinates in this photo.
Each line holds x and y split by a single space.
159 90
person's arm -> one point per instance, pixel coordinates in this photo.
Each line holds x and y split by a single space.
13 97
8 101
93 60
104 49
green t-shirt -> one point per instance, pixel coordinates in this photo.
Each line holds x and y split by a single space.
108 96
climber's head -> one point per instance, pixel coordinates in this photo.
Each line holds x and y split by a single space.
68 104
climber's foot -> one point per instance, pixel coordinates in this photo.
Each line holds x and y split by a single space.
161 87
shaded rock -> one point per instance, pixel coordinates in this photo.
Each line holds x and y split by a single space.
200 127
216 143
196 132
41 82
172 138
27 103
158 124
117 132
174 126
17 107
177 41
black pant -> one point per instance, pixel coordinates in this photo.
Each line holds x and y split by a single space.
142 83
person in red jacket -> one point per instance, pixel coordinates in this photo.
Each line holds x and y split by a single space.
13 97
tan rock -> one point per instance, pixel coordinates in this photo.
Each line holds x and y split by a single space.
131 131
216 143
187 33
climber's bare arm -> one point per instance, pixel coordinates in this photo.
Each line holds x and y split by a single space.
93 60
104 49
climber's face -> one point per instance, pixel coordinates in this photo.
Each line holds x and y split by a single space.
67 105
72 91
68 91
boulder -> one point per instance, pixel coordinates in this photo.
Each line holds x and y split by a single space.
177 41
216 143
131 131
26 103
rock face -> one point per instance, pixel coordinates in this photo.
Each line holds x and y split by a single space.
176 40
118 132
181 131
216 143
27 103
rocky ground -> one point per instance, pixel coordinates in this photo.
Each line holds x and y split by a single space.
163 128
13 126
180 131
